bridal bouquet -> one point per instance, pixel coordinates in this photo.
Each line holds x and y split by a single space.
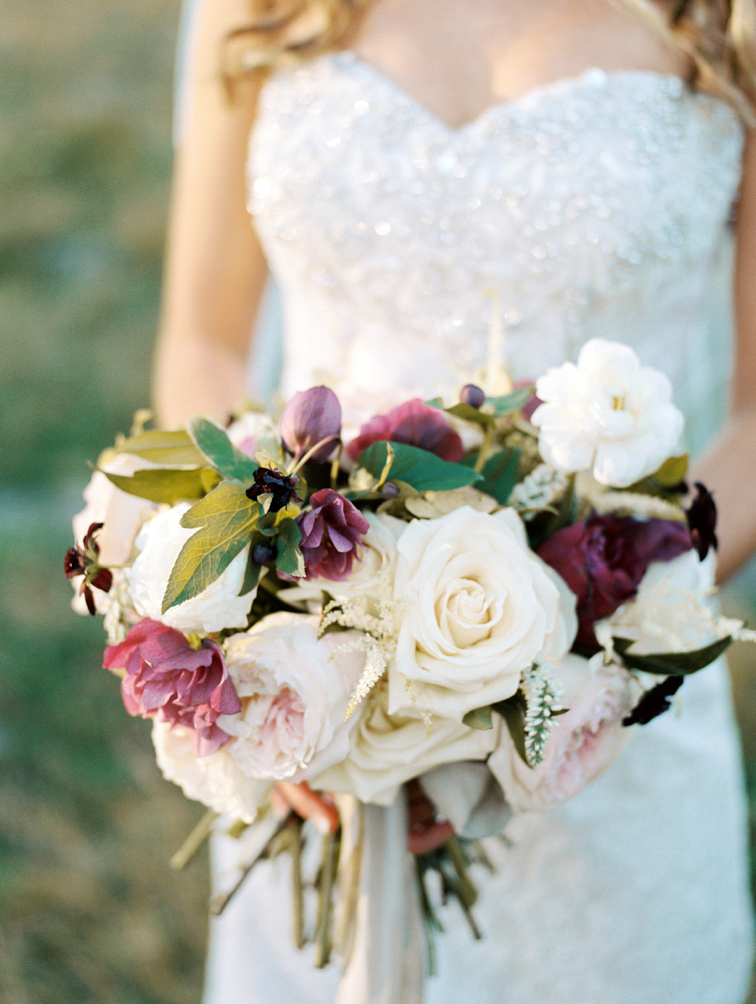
497 586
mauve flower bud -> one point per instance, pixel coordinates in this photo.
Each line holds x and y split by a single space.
311 416
389 490
472 395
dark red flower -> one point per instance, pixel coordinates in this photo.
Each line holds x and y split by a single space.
603 559
331 535
414 423
702 521
269 481
166 676
85 560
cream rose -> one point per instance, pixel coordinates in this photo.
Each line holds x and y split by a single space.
295 690
213 780
478 608
218 607
386 750
583 741
607 413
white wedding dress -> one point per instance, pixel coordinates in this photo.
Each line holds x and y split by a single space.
593 206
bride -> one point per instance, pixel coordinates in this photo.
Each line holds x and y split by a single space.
582 159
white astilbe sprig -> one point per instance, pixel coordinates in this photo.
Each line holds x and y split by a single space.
378 638
539 491
542 694
634 504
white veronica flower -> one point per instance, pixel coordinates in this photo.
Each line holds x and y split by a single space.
607 413
479 607
294 690
218 607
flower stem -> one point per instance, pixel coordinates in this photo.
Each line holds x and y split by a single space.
328 868
194 841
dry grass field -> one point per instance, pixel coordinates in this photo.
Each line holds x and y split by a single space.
89 912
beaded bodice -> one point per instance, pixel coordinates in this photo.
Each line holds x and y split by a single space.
595 205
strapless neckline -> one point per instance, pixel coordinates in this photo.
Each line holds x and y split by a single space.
591 77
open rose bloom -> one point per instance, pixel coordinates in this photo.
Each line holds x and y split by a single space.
480 585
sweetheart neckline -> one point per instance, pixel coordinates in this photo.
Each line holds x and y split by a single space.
591 77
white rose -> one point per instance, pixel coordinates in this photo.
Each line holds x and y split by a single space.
478 608
218 607
387 750
607 413
213 780
120 513
583 741
294 690
374 568
672 610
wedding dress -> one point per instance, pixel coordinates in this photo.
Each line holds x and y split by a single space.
593 206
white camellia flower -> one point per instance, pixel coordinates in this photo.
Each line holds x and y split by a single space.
120 513
213 780
387 750
218 607
607 413
478 608
583 742
294 691
672 610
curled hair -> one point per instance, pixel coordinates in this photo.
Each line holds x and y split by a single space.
719 36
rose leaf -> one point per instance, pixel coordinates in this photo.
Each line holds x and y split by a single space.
221 452
671 663
420 469
166 484
479 718
513 712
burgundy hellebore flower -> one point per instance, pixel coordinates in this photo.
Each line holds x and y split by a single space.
310 417
269 481
84 561
414 423
165 676
331 534
702 521
603 559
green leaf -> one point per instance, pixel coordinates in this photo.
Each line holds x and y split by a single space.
224 520
672 663
513 712
435 402
167 484
289 558
420 469
479 718
672 471
221 452
515 401
251 575
470 414
500 474
161 446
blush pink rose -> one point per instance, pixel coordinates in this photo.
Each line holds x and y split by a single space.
583 743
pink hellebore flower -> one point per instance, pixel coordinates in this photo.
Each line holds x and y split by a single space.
414 423
331 535
603 559
310 417
166 676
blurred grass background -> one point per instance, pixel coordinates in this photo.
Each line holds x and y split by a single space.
89 911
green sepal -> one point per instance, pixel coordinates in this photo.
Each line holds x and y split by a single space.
510 403
513 711
167 485
224 521
469 414
162 446
289 557
479 718
671 663
500 474
221 452
420 469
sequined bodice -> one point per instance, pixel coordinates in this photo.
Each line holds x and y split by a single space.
593 206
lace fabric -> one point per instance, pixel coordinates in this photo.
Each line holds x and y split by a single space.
593 206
